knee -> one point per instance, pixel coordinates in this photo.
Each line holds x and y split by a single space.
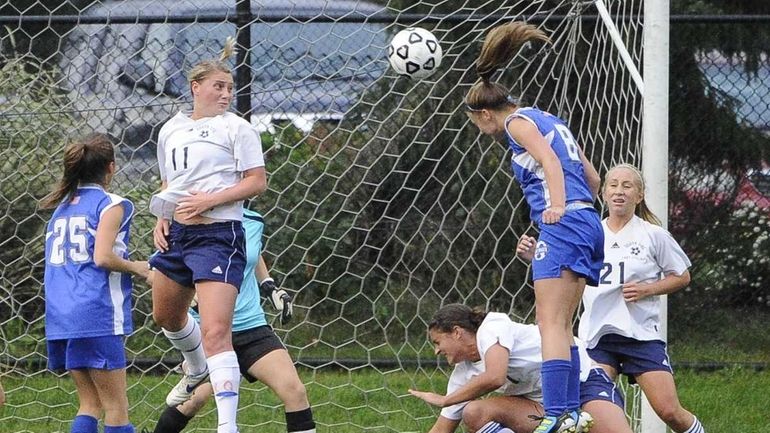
217 337
294 395
168 321
474 416
670 412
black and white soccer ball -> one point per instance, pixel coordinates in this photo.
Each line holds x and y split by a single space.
414 52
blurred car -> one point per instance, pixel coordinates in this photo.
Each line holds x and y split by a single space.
128 78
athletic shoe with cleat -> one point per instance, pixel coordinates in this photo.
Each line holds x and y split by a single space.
553 424
583 421
184 389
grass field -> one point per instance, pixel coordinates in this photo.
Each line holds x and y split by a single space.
363 401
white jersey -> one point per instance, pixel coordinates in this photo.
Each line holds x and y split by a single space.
524 361
640 252
205 155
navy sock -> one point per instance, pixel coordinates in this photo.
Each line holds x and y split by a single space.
554 377
573 383
84 424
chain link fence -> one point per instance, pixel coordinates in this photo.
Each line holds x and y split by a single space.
383 202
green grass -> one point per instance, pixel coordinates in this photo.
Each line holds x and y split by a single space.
719 335
363 400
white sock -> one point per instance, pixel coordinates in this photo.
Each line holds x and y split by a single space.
696 426
494 427
225 377
188 341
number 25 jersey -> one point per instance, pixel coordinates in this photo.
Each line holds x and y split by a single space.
82 299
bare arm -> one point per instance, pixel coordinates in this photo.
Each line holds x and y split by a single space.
261 270
670 284
104 256
494 376
160 232
530 138
592 176
253 183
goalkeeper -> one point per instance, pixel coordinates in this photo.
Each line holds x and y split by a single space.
261 355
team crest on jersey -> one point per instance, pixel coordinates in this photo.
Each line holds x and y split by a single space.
634 250
205 131
541 250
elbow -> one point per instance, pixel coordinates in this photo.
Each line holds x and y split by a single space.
495 382
102 260
685 279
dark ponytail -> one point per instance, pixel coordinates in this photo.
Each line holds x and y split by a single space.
449 316
500 45
85 161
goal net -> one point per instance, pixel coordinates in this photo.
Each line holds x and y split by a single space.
384 202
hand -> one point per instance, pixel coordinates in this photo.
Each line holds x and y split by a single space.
526 248
160 235
634 291
553 214
142 269
429 397
194 204
280 299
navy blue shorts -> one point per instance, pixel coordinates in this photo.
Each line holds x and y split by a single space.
631 357
252 344
576 243
102 353
599 386
203 252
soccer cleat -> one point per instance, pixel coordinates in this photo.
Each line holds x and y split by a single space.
583 421
184 389
552 424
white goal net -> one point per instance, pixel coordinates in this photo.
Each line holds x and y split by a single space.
384 202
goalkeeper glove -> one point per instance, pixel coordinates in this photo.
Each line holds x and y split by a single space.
280 299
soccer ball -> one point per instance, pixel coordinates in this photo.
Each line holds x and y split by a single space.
414 52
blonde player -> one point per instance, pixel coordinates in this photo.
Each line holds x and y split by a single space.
621 322
261 354
210 161
490 352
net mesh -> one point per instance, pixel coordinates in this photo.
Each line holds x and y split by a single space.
383 202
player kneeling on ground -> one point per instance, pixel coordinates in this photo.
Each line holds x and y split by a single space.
491 352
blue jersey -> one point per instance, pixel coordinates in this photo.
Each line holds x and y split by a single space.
530 173
248 312
82 299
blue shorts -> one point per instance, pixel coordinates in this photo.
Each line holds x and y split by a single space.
203 252
599 386
101 353
631 357
576 243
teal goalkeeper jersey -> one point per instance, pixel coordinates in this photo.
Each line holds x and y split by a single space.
248 309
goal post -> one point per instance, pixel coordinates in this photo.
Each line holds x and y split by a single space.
655 146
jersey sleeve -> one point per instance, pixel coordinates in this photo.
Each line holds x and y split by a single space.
493 331
112 200
668 254
456 381
161 152
248 148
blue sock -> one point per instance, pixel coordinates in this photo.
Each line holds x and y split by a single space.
554 377
84 424
128 428
573 383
